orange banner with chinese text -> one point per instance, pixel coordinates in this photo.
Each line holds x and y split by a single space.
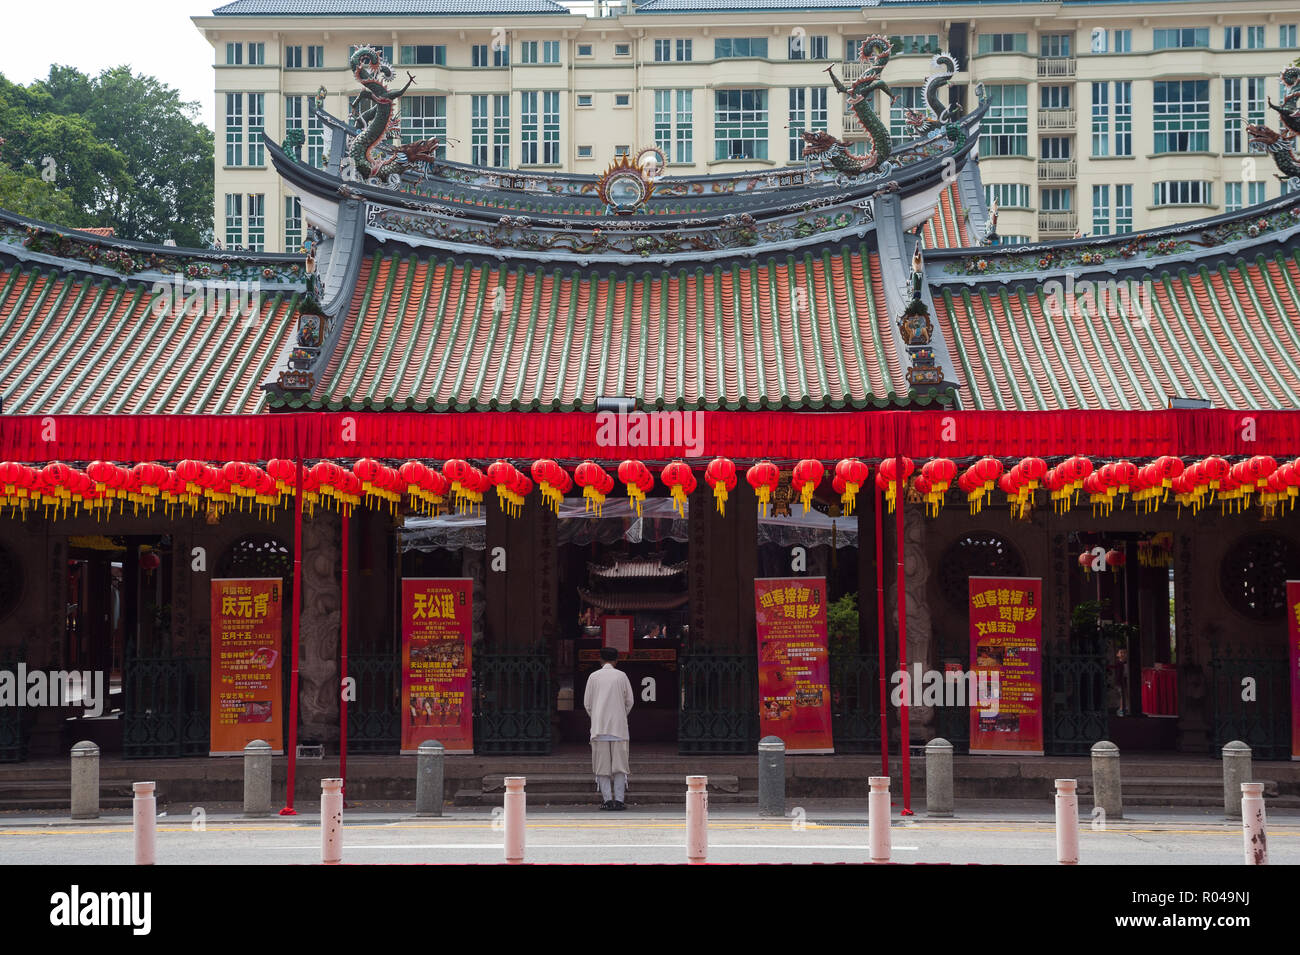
245 677
437 629
1006 653
794 662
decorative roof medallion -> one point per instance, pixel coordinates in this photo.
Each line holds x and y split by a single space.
626 185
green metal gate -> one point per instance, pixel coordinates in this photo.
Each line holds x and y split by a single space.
512 704
374 717
1264 722
1075 687
855 702
166 707
719 703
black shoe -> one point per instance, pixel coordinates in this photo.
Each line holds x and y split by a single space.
607 804
617 806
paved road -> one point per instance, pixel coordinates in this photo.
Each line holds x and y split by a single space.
639 837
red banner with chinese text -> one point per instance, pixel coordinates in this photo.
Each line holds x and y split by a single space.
245 681
1293 642
1006 654
437 629
794 663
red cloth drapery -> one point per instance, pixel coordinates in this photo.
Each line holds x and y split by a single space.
740 435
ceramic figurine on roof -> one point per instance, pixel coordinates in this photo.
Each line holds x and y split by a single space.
946 117
1280 145
372 159
874 54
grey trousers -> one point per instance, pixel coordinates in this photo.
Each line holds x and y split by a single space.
609 764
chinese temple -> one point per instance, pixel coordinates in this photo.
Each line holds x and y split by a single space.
631 395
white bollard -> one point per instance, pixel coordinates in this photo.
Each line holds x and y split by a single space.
144 819
331 821
697 819
515 819
1253 823
1067 821
878 818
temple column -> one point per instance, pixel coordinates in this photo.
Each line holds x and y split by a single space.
318 673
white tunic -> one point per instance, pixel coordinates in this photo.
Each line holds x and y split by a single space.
608 700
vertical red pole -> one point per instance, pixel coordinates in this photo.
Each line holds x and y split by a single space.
288 809
880 632
904 740
343 661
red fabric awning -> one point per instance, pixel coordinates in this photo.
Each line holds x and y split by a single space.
780 435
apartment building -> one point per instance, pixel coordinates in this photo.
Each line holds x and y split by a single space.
1106 117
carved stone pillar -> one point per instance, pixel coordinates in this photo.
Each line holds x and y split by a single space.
318 673
921 719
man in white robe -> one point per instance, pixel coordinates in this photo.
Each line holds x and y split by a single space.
608 700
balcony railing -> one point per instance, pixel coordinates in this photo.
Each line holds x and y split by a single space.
1055 66
1056 119
853 126
1057 170
1057 224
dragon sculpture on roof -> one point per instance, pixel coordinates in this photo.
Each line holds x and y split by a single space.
874 54
371 156
1280 145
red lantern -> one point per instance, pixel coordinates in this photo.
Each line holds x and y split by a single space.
807 475
595 484
679 480
1115 558
638 480
550 478
852 474
721 476
763 477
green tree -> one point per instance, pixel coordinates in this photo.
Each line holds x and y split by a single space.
127 150
29 196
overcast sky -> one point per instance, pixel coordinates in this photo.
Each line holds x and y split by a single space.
154 37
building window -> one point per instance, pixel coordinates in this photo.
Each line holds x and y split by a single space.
584 100
256 222
501 55
674 125
1100 119
905 98
478 129
1181 192
1123 118
256 123
292 223
1054 97
297 109
1182 116
1054 200
740 124
622 100
1232 38
800 46
908 43
1003 43
1286 36
478 55
1054 147
1008 195
234 54
424 55
1013 239
585 50
807 113
1238 112
234 129
1176 38
385 52
293 58
315 57
1005 130
550 51
1101 210
257 54
501 130
528 52
622 49
234 220
730 47
663 51
620 151
584 152
1123 208
1255 38
1121 41
424 117
1255 193
539 123
1231 196
1054 44
684 50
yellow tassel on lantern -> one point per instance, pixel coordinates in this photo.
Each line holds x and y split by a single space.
594 499
636 496
679 499
720 496
849 497
764 496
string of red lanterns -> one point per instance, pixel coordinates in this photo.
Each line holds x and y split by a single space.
103 488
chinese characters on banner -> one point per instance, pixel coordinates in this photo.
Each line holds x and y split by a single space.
1006 629
793 662
437 627
245 675
1293 642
